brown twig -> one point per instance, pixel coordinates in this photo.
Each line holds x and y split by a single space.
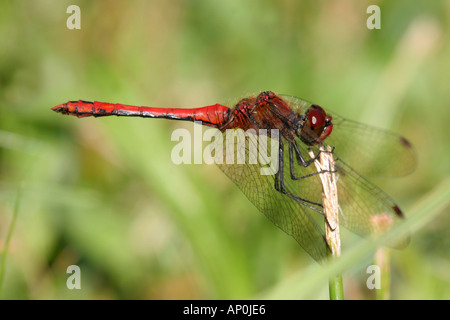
331 210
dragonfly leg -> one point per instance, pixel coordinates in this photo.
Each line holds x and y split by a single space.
280 186
301 160
293 146
279 176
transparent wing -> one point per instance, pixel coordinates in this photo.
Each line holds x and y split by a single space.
371 151
365 209
292 217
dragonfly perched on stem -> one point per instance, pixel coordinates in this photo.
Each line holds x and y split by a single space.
291 197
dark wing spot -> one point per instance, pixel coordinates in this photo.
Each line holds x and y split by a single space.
398 211
405 142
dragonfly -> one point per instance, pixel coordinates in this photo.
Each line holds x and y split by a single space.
291 195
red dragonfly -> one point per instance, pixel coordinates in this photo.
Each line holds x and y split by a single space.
291 197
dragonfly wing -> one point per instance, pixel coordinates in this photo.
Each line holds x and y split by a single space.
289 215
366 209
371 151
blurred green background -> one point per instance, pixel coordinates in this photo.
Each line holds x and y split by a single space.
103 193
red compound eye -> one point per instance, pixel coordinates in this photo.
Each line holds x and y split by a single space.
317 127
316 118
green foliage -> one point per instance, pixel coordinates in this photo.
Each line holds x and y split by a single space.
103 193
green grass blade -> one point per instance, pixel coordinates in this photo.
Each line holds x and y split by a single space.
302 284
8 237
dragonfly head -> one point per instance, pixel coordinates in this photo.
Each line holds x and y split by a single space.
316 126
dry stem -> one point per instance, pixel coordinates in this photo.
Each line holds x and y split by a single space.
331 210
330 200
